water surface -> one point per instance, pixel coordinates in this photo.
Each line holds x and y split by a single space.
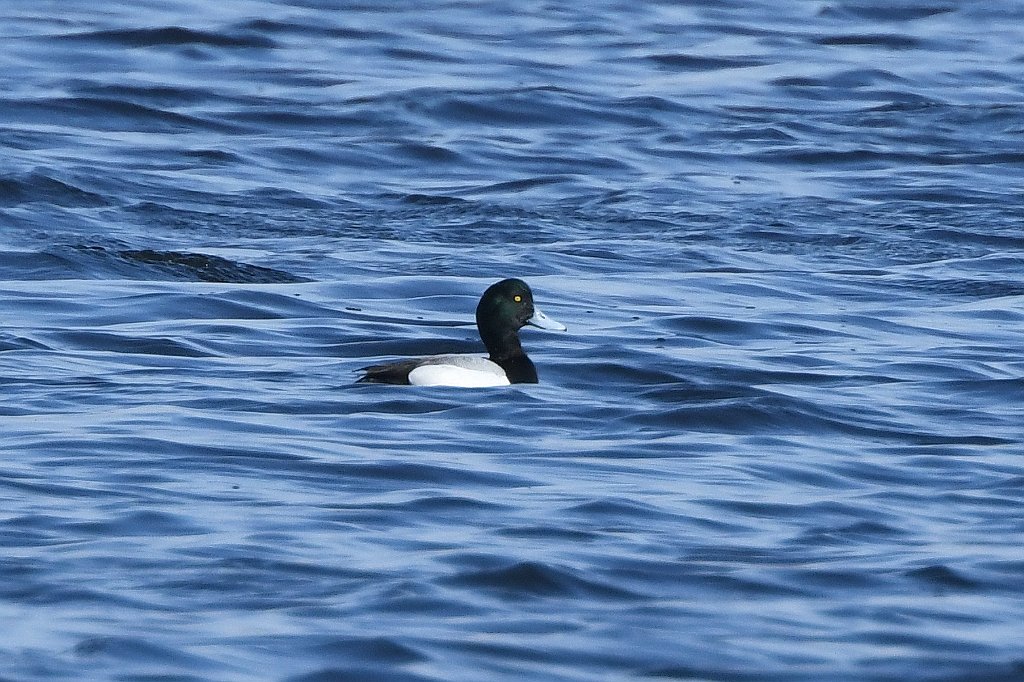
781 439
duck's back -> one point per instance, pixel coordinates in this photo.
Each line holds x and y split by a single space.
389 373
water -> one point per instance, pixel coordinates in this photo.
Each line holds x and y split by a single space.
781 439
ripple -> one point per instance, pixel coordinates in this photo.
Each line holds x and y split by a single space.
902 12
688 62
174 36
150 264
888 41
39 188
533 579
943 577
134 649
370 672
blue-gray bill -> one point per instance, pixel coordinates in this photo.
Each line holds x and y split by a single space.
542 321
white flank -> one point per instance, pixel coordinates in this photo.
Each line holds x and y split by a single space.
467 372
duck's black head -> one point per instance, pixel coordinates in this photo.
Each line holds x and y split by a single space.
505 308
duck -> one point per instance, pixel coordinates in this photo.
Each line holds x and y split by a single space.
505 308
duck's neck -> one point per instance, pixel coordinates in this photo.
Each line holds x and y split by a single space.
519 369
507 352
501 345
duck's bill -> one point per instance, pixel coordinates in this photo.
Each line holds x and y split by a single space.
541 320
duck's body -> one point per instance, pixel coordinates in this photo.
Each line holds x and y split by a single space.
470 371
504 309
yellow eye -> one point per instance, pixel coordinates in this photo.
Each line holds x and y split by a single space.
517 298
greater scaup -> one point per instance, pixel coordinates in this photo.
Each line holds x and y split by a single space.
504 309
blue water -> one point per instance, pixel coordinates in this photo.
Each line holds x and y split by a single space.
783 438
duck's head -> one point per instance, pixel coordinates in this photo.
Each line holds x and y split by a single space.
505 308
